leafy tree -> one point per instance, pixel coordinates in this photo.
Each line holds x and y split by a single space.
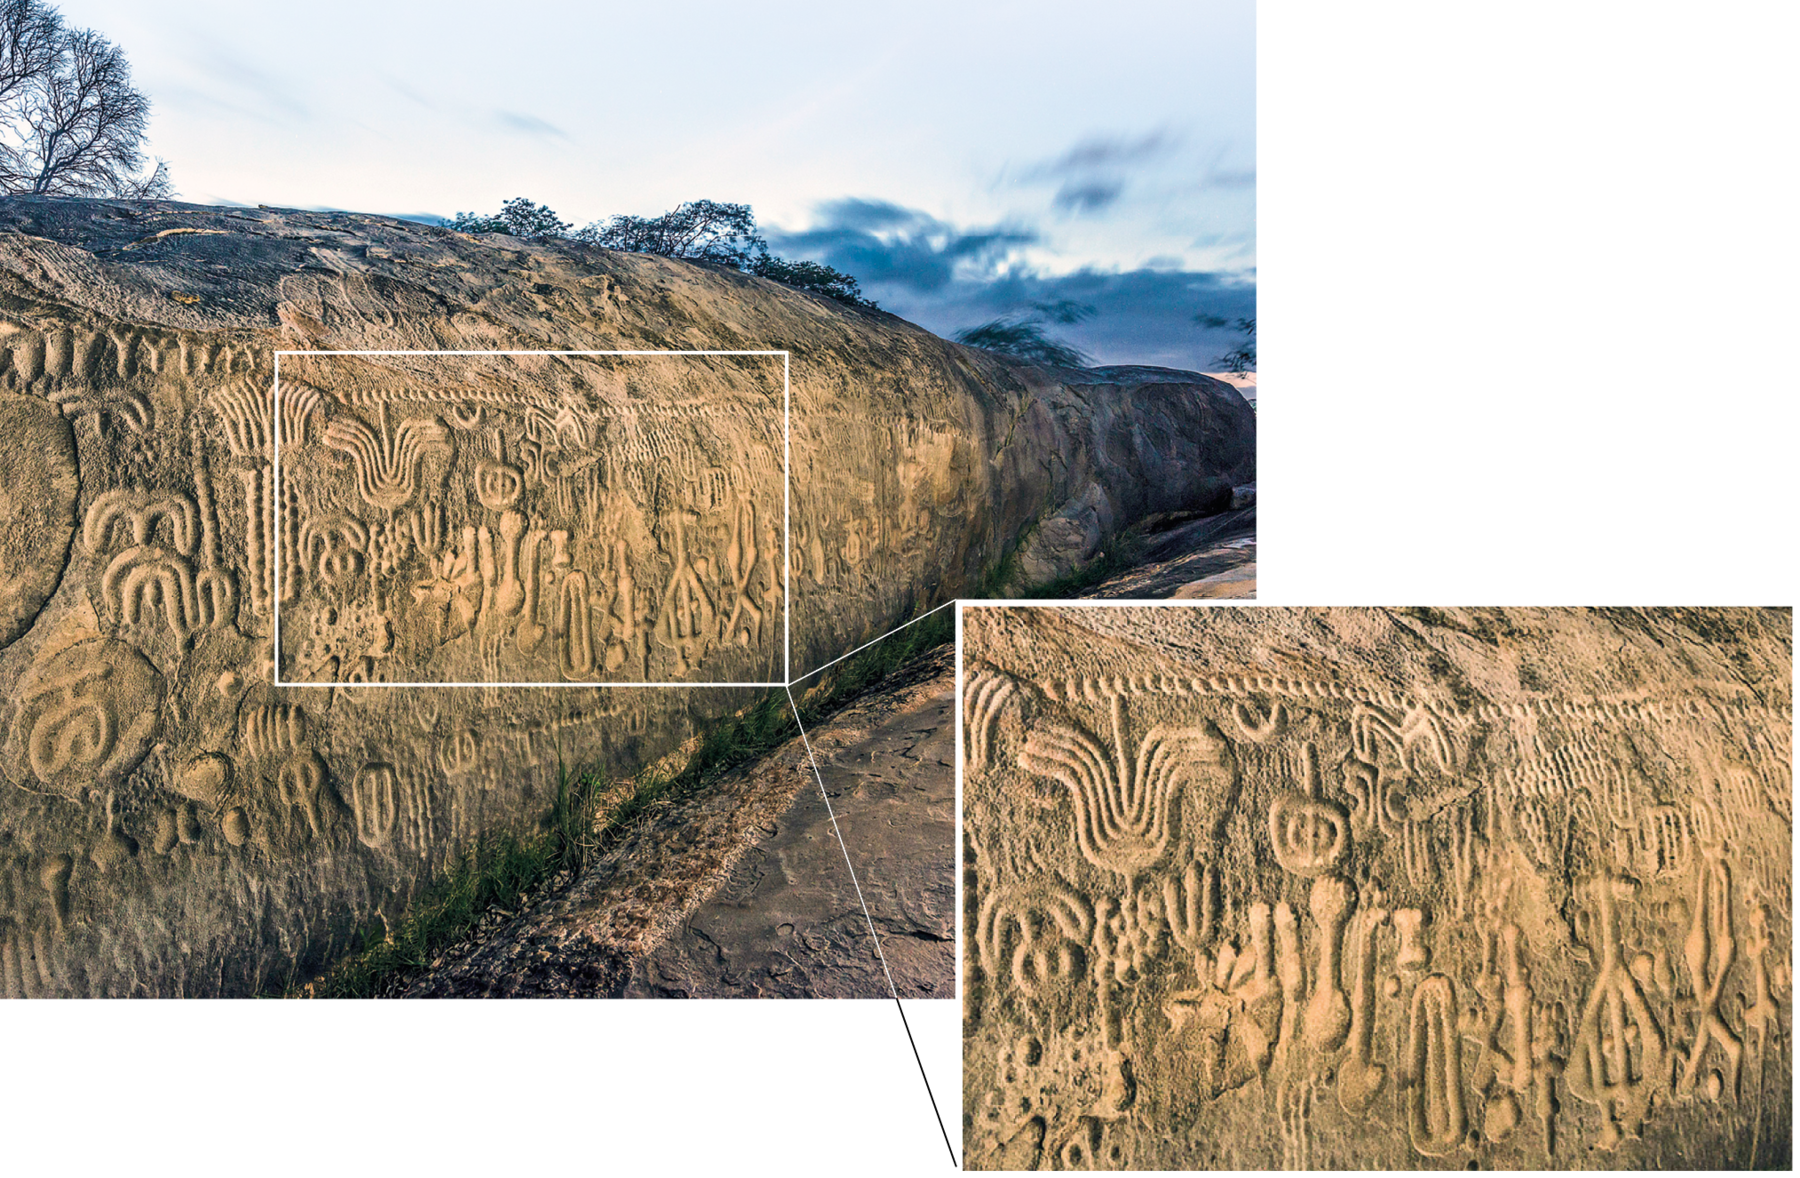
71 122
518 217
1243 357
815 277
696 231
1022 334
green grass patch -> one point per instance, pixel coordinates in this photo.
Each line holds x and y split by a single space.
499 871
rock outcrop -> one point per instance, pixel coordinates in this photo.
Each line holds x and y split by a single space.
175 818
1390 889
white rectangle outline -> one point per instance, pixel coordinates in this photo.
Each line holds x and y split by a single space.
787 495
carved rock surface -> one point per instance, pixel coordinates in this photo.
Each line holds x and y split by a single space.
1352 888
173 822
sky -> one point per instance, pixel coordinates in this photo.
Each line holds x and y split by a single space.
964 160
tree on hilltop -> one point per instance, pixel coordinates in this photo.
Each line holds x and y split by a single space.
518 217
696 230
710 231
71 122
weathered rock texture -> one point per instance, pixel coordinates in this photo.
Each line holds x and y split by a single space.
742 891
787 920
1254 888
171 822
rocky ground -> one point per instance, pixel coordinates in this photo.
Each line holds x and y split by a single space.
1213 557
744 892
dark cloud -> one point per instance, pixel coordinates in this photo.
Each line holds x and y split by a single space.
1087 196
884 243
946 279
1141 316
530 124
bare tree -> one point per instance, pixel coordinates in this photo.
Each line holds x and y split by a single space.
71 122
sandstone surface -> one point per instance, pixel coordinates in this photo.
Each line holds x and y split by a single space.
1346 888
175 821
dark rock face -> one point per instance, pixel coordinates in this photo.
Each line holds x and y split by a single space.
1248 888
176 818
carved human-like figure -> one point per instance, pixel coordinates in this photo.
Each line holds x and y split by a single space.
1613 1067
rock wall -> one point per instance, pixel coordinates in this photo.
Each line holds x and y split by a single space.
1347 889
176 819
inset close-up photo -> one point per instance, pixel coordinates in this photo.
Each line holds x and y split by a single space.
1251 888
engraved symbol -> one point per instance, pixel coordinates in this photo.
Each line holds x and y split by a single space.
139 512
86 715
1328 1010
1360 1079
335 548
498 485
387 462
300 783
375 797
1311 836
1710 950
1045 936
149 576
1434 1113
1418 726
1124 810
984 698
1413 955
459 751
1272 725
740 566
1605 1070
75 731
687 616
509 593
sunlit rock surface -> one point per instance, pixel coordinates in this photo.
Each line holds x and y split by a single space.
173 821
1342 889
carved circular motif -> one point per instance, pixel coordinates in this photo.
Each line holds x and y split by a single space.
86 716
37 499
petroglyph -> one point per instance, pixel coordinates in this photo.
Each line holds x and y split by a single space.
1123 806
1374 921
85 717
1310 835
1433 1070
1618 1058
387 460
1360 1078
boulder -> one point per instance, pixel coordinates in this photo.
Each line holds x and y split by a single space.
282 636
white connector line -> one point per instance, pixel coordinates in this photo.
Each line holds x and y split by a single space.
841 843
834 662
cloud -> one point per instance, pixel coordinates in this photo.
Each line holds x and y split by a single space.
530 124
884 243
1218 178
1087 196
1103 153
946 278
1142 316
